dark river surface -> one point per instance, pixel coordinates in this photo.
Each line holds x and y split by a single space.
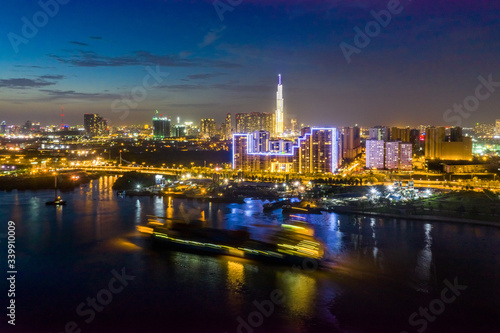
383 275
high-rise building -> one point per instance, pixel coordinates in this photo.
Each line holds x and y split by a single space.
351 142
415 139
255 121
208 128
241 122
191 130
179 131
319 151
161 127
485 130
228 127
3 128
293 125
400 134
375 153
497 127
94 124
434 136
315 152
280 111
455 134
391 160
406 156
380 133
390 155
456 147
457 150
259 142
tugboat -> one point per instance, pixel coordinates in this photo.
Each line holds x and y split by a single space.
57 202
57 199
269 207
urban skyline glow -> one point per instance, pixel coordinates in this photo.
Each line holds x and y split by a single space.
93 53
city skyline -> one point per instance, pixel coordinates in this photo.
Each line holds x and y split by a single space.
228 62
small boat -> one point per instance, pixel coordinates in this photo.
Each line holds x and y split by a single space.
287 209
57 202
269 207
222 199
57 199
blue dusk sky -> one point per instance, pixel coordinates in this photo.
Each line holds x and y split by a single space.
196 59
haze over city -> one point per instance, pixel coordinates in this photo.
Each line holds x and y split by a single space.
214 60
250 166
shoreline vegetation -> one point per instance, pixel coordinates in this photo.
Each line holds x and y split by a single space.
65 182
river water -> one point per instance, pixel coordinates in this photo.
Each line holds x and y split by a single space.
382 275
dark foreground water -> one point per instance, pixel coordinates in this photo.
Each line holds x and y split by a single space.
385 275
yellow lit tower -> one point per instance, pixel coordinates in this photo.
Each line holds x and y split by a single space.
279 115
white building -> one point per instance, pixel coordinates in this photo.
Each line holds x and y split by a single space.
380 133
390 155
392 151
405 156
375 152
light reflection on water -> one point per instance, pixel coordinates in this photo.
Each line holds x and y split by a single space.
403 252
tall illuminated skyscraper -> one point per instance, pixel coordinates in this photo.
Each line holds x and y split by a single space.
279 115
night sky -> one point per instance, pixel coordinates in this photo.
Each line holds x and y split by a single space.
91 56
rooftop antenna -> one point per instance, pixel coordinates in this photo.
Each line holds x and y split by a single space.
279 79
62 117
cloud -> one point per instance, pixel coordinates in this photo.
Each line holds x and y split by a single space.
34 66
95 37
193 105
211 37
204 76
139 58
79 43
230 86
71 94
22 83
52 77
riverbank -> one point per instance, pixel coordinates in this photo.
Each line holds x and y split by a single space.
65 182
427 218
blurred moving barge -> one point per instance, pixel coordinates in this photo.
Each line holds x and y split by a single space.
290 242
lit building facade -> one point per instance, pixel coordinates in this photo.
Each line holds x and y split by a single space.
161 127
486 130
380 133
228 127
390 155
280 110
434 136
392 152
94 124
454 147
400 134
406 156
351 142
179 131
255 121
318 151
497 128
208 128
375 153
